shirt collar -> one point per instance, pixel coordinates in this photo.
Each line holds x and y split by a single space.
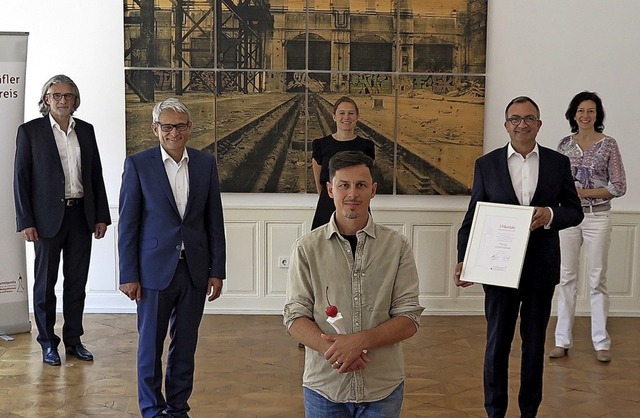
54 124
166 156
511 151
332 228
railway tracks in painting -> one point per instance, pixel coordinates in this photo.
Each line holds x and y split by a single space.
269 154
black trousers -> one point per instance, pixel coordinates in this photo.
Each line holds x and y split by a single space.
502 306
73 242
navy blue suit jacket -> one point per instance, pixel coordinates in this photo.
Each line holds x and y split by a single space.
38 181
150 229
556 189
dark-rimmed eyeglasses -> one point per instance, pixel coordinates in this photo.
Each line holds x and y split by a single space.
529 119
58 96
168 127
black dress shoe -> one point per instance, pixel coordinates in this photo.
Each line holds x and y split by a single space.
80 352
50 356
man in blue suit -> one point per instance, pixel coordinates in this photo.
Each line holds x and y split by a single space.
60 201
171 244
522 173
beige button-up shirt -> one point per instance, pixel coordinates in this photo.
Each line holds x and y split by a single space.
376 284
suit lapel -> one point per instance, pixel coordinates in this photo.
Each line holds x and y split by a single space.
505 176
85 154
50 142
161 175
195 180
544 169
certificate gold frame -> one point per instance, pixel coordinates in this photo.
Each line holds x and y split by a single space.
497 244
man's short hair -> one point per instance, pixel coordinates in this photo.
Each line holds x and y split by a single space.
521 99
345 159
170 103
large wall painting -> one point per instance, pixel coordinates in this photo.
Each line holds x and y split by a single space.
260 78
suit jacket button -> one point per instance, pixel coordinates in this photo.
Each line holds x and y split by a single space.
178 247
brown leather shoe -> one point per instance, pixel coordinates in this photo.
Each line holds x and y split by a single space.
603 356
558 352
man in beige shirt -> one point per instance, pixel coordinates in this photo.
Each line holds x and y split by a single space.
368 271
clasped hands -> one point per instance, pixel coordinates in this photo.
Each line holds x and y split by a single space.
346 352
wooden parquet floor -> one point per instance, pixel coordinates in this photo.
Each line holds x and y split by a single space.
247 367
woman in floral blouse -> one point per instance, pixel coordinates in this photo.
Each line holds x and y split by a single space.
599 176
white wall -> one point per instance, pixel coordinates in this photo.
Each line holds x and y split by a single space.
552 49
547 49
84 40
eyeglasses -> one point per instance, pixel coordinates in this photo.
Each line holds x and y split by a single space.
168 127
58 96
529 119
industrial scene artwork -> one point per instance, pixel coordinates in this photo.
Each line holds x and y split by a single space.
260 78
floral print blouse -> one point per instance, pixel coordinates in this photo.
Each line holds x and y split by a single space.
600 165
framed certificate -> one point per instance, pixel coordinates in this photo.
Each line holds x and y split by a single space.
497 244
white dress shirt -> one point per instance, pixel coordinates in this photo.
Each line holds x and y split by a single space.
524 175
69 150
178 175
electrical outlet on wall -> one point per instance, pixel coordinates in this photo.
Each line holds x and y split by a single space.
283 262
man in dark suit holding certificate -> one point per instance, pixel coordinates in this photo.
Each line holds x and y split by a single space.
522 173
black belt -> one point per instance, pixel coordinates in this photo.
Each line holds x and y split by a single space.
72 202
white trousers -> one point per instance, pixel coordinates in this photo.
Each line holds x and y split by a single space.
594 234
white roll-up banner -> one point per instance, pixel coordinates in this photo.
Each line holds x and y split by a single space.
14 306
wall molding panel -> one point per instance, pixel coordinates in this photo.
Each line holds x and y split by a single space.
257 239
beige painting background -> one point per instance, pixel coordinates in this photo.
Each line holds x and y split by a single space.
260 77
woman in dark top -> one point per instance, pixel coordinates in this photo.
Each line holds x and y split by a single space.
345 114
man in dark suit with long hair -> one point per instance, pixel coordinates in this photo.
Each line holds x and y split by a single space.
522 173
60 201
